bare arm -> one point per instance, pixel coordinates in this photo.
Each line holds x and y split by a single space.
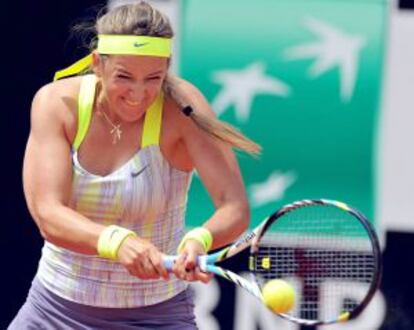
47 177
220 173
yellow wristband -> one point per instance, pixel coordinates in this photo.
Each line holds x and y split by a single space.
199 234
111 240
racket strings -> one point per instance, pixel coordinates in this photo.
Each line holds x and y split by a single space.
325 253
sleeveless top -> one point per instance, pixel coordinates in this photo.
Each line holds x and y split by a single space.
146 195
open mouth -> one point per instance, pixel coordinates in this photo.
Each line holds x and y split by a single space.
131 103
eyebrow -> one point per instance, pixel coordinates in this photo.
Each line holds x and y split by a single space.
148 75
156 73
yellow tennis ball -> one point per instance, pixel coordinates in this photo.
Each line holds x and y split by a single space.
278 295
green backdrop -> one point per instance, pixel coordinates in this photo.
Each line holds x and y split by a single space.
302 78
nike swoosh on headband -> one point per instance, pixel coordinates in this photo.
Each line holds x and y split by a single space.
137 44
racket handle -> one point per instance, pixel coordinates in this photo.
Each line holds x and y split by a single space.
202 262
169 261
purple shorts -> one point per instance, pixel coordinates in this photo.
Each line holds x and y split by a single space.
43 310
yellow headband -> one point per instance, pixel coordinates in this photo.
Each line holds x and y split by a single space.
121 45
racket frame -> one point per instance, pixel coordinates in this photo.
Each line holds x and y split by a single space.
207 263
376 281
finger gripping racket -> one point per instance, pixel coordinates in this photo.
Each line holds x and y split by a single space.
325 249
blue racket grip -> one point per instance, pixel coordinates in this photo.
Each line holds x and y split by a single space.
170 260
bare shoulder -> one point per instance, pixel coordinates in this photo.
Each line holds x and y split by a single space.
180 126
179 129
194 96
55 104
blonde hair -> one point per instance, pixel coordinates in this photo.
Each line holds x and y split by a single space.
142 19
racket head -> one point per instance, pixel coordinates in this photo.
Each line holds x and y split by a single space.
324 249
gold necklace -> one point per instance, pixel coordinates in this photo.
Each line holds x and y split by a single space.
115 131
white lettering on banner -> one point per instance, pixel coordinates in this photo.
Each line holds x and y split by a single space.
370 319
250 314
206 300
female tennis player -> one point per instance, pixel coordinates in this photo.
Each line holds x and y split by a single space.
106 173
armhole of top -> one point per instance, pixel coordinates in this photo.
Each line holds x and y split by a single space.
85 104
152 123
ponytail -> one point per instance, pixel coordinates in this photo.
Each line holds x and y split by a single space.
211 125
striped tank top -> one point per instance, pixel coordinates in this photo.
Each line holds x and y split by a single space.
145 195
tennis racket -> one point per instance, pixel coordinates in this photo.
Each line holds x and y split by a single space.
323 248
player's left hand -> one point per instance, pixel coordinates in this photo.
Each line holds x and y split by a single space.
186 267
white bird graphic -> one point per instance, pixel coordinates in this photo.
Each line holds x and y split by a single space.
272 189
334 48
241 86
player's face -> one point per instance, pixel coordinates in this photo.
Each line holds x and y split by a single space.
131 83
